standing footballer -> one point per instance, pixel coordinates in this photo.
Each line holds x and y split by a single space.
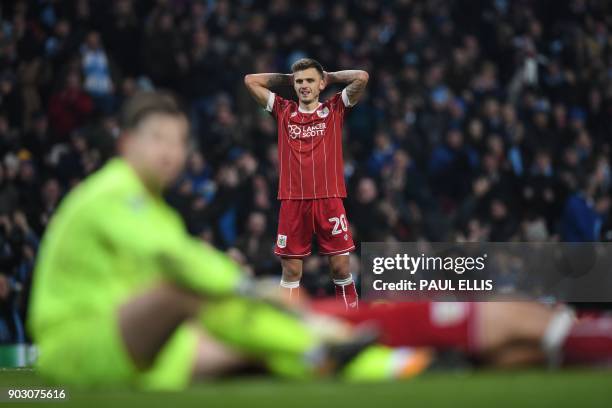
311 176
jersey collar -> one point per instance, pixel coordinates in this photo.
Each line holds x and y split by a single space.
312 111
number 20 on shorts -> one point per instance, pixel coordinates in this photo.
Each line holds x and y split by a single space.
340 224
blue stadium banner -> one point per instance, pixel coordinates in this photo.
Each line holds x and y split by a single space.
550 272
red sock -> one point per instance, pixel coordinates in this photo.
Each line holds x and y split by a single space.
419 324
290 290
590 313
584 341
346 293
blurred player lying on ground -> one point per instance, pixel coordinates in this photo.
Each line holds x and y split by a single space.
502 334
122 296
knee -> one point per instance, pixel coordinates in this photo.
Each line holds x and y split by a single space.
340 270
292 272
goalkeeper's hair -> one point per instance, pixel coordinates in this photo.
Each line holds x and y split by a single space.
146 103
305 63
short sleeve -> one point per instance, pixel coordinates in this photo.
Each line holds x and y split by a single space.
345 99
336 103
270 103
276 104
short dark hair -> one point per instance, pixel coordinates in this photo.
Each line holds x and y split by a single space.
146 103
305 63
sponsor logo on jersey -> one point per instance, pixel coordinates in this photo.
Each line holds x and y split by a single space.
323 113
281 241
293 115
306 131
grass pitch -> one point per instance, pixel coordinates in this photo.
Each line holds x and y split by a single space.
486 389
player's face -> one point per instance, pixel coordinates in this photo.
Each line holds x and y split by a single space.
308 84
158 148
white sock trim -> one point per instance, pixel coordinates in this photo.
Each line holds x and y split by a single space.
289 285
556 332
344 282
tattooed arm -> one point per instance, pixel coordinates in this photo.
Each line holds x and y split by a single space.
356 79
259 85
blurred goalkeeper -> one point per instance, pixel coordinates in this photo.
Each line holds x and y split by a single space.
123 296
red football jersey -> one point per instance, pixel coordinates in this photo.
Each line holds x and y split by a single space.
310 148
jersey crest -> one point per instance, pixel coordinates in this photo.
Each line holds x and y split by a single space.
323 113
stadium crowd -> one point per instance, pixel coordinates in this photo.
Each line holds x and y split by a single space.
483 120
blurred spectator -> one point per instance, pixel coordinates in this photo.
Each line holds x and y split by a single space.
69 107
585 212
381 154
9 195
10 99
452 166
97 73
161 47
256 243
367 213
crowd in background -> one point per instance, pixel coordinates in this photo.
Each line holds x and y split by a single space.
482 121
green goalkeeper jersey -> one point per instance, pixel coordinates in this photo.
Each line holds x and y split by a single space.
110 240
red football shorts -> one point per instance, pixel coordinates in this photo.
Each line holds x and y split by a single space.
299 220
